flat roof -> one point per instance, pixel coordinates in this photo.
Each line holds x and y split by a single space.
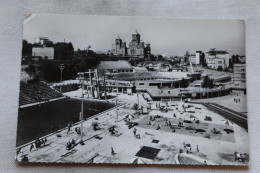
121 64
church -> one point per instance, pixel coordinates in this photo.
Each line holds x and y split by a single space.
135 48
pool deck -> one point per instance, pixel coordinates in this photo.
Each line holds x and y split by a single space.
98 144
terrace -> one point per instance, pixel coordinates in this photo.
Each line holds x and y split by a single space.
150 145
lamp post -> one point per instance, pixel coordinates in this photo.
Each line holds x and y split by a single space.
138 98
61 66
116 71
137 94
81 78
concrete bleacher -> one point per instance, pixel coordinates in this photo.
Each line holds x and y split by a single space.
32 93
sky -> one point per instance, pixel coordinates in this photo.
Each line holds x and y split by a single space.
166 35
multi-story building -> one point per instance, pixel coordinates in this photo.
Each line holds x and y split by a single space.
42 41
43 52
120 66
136 47
239 73
216 59
195 58
238 59
43 48
119 48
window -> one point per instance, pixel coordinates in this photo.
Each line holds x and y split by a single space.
243 75
220 62
169 92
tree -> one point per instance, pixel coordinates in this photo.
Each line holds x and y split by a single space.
160 57
207 82
184 83
63 51
226 70
27 48
203 60
34 80
152 57
135 106
220 68
231 62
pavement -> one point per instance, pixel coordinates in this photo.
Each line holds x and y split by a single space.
100 143
228 101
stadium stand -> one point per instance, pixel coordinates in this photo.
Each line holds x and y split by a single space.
32 93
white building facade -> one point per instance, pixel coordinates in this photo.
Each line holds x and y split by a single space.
43 52
217 59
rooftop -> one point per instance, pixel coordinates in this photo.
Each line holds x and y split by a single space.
121 64
214 52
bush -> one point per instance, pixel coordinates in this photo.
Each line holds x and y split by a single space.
220 68
207 82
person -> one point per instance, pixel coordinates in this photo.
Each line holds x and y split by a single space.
37 143
173 130
112 151
174 115
60 125
31 147
43 142
73 141
166 123
45 139
149 123
69 126
18 151
25 159
52 128
68 146
169 123
134 132
205 163
158 127
77 129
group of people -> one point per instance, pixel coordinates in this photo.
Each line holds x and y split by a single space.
38 143
112 130
239 157
236 100
70 144
69 126
187 146
137 136
77 130
95 126
180 124
59 126
167 122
